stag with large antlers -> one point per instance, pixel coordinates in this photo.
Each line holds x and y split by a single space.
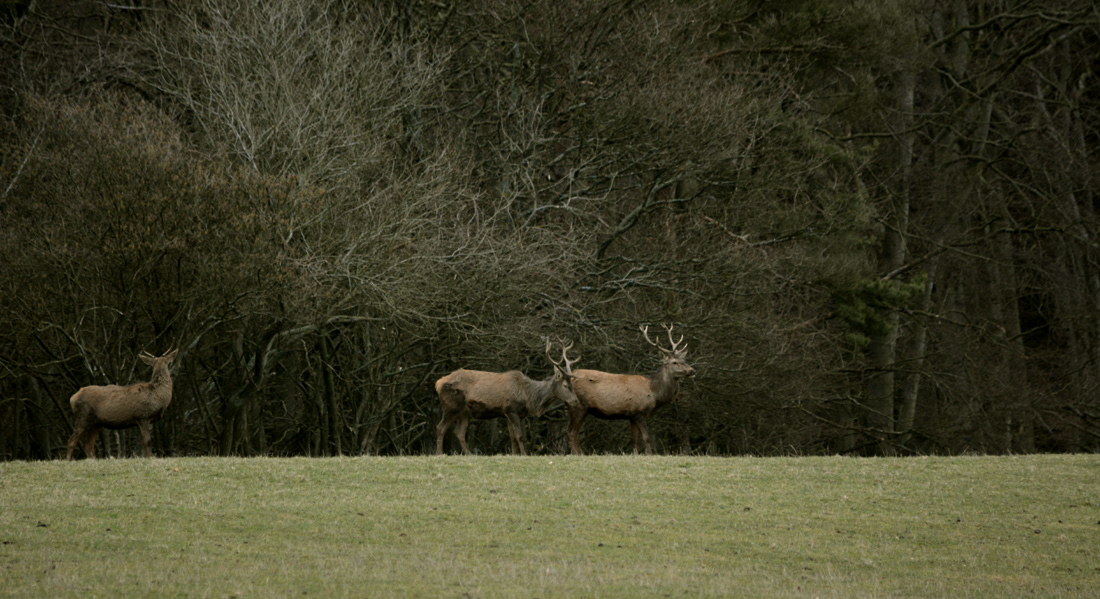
115 407
466 394
630 397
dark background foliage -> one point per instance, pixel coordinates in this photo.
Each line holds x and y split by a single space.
873 222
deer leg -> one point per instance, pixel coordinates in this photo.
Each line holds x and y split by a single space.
637 425
81 428
460 430
515 431
576 419
91 433
146 429
78 432
441 430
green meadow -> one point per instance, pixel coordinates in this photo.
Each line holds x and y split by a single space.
552 526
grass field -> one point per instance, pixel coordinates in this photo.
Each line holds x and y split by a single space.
552 526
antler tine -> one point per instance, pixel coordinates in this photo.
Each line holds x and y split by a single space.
565 357
550 344
675 344
645 332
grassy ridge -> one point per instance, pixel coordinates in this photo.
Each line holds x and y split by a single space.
552 526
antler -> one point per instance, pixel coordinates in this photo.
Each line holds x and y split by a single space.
565 347
676 349
645 333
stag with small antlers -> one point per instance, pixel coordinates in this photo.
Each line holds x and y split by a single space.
630 397
466 394
114 407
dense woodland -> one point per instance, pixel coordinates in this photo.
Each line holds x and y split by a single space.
875 223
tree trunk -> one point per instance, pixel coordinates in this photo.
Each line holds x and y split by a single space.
880 388
910 391
332 423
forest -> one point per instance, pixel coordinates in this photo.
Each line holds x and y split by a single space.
873 222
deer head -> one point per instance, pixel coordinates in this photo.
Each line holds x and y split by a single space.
563 369
672 359
160 364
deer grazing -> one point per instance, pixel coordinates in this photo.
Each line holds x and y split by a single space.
115 407
628 396
466 394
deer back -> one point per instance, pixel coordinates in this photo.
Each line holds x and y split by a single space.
493 390
122 406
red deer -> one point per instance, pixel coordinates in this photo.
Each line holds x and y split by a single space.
486 395
628 396
115 407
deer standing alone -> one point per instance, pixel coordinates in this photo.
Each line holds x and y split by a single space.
628 396
115 407
466 394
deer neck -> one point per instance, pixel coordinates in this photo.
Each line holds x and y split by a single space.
664 385
161 378
539 394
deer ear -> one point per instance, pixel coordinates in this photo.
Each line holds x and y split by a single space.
171 355
146 358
